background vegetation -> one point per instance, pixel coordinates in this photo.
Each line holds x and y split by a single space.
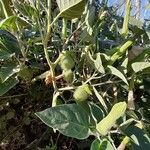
74 74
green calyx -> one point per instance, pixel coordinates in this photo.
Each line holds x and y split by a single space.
67 60
82 93
68 75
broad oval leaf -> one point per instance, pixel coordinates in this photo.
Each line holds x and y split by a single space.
134 22
9 42
139 66
25 9
90 16
106 145
2 15
117 73
96 111
98 64
7 9
127 123
71 8
6 86
4 55
69 119
139 139
101 145
95 145
10 23
100 98
6 71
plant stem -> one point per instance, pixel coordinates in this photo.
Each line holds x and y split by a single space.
112 142
45 42
107 82
67 88
58 59
13 96
4 8
123 143
131 103
64 29
24 54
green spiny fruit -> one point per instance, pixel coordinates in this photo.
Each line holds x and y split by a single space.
67 60
82 93
68 75
106 123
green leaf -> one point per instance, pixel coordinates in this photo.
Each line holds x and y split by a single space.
140 66
2 15
101 145
106 145
95 145
5 8
7 71
70 119
134 22
96 111
139 139
100 98
4 55
144 54
8 42
25 9
89 19
71 8
117 73
127 123
90 16
6 86
9 22
98 64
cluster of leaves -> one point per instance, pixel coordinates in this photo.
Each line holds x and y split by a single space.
95 62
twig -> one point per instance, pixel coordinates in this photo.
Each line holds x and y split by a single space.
66 88
12 96
57 140
107 82
68 39
11 132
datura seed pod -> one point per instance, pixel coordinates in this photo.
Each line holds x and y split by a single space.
68 75
67 60
82 93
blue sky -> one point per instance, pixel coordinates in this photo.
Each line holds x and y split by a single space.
144 14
